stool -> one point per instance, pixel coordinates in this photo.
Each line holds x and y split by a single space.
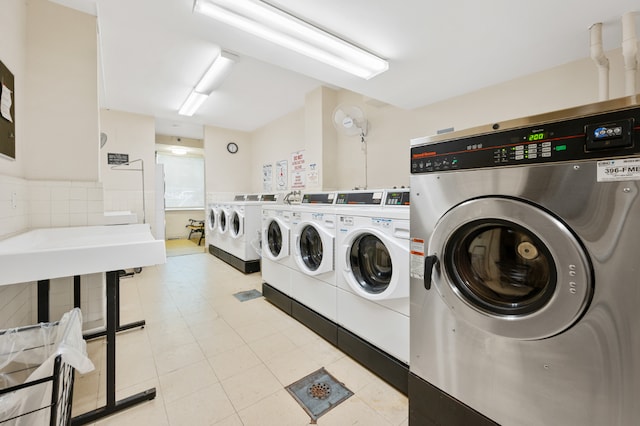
195 227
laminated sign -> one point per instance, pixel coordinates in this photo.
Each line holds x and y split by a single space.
619 170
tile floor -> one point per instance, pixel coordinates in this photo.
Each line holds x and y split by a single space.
217 361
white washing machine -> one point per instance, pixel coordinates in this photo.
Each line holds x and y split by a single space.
211 227
372 259
277 258
239 229
313 239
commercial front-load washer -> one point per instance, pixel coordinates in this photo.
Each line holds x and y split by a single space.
240 244
277 256
211 228
372 274
313 239
524 271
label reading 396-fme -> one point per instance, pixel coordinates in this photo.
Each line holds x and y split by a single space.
619 170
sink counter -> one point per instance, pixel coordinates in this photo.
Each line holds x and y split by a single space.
50 253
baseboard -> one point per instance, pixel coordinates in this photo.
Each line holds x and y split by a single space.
429 406
244 266
388 368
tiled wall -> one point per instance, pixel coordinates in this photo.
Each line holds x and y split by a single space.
28 204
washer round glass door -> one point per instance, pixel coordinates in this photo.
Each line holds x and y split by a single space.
511 268
212 219
222 222
370 263
311 248
235 225
274 239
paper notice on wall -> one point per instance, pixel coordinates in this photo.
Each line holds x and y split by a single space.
267 177
298 170
5 103
312 175
281 175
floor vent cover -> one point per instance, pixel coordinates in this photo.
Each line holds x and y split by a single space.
243 296
318 393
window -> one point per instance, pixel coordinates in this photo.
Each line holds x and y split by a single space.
184 181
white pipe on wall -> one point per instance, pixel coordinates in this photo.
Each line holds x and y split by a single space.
630 51
598 56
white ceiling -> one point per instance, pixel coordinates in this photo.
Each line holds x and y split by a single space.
154 51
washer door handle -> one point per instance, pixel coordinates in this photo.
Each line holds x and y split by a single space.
429 263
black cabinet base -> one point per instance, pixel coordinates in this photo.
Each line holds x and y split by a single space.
244 266
277 298
429 406
384 365
377 361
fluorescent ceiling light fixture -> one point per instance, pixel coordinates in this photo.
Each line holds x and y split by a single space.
178 151
273 24
210 81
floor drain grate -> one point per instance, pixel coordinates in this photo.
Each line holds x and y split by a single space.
318 393
243 296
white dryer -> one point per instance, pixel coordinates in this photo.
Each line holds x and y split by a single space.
313 239
372 264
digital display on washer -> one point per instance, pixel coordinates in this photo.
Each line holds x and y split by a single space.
354 198
397 198
322 198
268 197
253 197
238 198
613 134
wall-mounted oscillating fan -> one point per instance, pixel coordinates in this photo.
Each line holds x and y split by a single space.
350 120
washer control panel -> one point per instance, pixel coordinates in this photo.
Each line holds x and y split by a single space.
607 135
369 198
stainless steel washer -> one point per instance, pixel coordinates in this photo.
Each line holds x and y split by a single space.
525 276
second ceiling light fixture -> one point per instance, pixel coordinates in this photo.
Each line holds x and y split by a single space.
273 24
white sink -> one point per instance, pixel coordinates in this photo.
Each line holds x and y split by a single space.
62 252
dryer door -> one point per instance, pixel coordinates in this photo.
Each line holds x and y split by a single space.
236 223
314 249
276 238
510 268
375 265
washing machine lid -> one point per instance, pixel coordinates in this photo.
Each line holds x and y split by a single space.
313 248
275 237
510 268
375 265
236 223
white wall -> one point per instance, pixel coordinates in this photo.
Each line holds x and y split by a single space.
13 46
51 50
132 134
276 142
61 105
177 220
225 172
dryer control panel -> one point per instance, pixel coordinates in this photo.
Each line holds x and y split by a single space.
607 135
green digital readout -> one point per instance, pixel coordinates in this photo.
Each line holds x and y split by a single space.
538 136
561 148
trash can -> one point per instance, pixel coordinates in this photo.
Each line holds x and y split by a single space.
37 365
